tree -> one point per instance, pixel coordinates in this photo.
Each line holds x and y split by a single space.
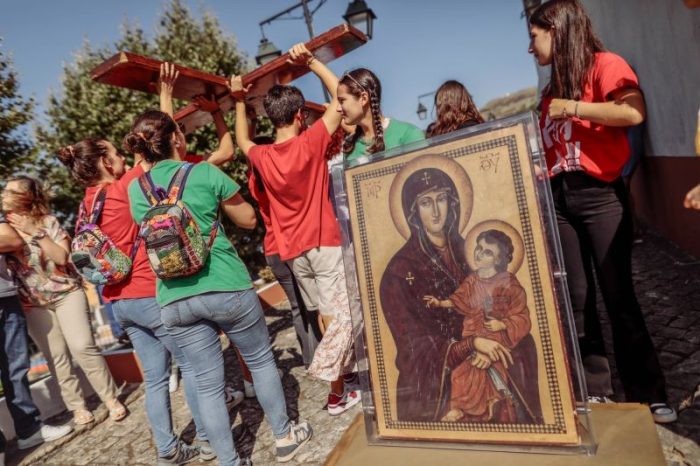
15 112
85 108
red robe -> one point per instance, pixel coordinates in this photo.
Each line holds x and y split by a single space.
500 297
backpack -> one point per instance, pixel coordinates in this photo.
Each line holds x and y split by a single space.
174 242
94 254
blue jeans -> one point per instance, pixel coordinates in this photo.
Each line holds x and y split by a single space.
153 345
194 323
14 367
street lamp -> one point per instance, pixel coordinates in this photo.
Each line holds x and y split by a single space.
422 111
266 51
357 14
360 16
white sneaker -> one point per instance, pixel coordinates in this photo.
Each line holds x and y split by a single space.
339 404
599 399
47 433
663 413
249 389
287 447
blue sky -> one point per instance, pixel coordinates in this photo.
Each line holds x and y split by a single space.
417 44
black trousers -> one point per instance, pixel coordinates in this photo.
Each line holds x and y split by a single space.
305 320
595 227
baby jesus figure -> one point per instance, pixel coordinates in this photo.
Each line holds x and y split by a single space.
494 305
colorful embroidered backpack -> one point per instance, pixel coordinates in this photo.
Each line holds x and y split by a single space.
94 254
174 242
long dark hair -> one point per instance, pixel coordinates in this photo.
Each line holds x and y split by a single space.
574 44
455 109
359 81
82 159
150 136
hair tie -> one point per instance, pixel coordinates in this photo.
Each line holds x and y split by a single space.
140 134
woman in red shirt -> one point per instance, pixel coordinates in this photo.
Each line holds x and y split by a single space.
98 166
591 99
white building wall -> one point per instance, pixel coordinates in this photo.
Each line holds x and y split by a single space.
661 40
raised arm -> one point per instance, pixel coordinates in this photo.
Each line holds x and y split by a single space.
225 151
242 129
300 55
166 83
626 109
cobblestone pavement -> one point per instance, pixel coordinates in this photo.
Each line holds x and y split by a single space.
129 442
668 288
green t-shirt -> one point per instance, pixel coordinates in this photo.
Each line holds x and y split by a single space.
205 188
396 134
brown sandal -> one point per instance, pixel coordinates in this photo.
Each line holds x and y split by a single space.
117 411
82 417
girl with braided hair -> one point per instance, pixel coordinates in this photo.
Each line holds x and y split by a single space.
359 102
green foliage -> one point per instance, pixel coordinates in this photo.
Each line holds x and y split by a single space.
15 112
83 108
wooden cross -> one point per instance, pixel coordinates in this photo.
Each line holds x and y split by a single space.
140 73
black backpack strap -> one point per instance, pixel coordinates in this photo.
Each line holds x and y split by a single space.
214 231
176 188
98 204
148 188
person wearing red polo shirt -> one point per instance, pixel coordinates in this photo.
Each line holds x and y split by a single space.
294 173
304 318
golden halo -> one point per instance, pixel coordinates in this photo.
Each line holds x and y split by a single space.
451 168
508 229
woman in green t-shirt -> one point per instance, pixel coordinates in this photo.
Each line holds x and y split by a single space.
360 96
219 296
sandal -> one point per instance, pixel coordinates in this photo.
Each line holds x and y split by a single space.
117 411
82 417
663 413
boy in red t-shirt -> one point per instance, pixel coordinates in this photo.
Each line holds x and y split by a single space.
294 173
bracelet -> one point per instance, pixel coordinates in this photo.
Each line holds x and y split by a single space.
311 60
576 110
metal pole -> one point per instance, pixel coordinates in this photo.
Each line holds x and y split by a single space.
308 19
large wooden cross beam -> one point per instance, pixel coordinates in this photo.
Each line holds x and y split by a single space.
140 73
